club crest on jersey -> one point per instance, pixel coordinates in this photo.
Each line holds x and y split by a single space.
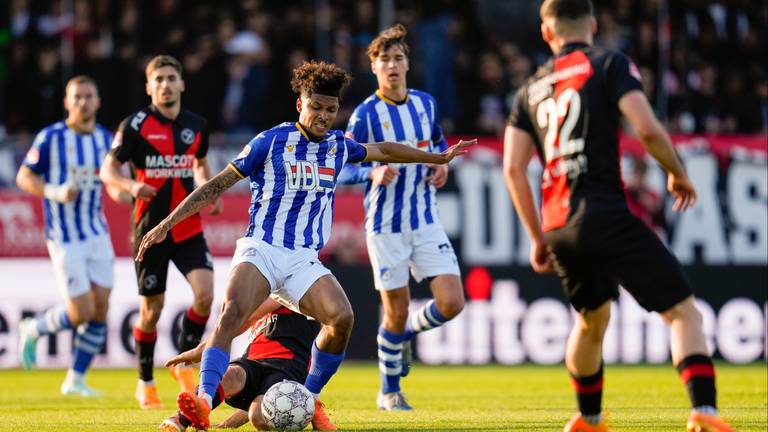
332 150
187 136
290 148
306 175
386 125
424 117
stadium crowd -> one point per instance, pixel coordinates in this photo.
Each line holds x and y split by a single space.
711 79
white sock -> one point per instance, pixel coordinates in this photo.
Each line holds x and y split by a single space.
74 377
593 419
706 409
208 398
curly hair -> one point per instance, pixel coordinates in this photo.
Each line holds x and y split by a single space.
394 35
321 78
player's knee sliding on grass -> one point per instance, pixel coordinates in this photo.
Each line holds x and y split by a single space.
60 169
587 232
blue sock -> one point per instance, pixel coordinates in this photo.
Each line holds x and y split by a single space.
212 367
390 359
424 319
53 320
324 365
89 339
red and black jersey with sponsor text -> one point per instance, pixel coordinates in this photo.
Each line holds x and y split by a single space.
161 153
570 108
283 335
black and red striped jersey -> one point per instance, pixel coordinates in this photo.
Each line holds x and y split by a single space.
283 335
161 153
570 108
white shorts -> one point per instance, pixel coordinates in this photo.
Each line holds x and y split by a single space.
426 251
79 263
290 272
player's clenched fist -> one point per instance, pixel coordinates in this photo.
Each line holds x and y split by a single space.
153 237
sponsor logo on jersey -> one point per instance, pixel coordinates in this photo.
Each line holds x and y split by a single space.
168 166
306 175
157 136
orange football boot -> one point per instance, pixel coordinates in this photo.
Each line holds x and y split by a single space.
320 420
186 377
578 424
196 409
146 394
698 422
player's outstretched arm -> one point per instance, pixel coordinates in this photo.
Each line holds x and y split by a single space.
518 150
635 107
199 198
398 153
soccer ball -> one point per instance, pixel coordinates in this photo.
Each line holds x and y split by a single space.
288 406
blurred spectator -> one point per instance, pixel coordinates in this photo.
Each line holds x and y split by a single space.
238 62
644 202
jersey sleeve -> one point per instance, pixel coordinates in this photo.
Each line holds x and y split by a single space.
38 156
124 142
519 117
355 151
357 128
621 77
202 149
353 174
438 139
253 155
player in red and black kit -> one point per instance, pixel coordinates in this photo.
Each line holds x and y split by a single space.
569 113
166 149
279 349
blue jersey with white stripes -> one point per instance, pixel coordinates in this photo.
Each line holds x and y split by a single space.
59 155
292 184
409 202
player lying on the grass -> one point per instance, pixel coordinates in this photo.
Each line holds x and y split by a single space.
279 348
293 169
569 112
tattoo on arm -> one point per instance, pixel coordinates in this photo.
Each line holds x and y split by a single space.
203 196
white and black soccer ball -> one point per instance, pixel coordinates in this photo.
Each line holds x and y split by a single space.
288 406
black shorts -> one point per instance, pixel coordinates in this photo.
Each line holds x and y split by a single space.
187 255
259 377
596 251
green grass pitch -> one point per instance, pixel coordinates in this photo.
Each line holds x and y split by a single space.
492 398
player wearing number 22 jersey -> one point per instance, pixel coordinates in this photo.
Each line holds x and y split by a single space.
569 112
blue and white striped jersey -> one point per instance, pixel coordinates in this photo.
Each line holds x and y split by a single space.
409 202
60 155
292 184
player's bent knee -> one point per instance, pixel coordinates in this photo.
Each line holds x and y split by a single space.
685 310
232 316
451 307
342 322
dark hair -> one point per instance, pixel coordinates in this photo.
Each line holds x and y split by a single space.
162 61
321 78
394 35
566 9
81 79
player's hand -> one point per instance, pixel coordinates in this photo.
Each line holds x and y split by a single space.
64 193
217 207
682 189
153 237
188 357
143 191
439 175
542 260
383 175
457 150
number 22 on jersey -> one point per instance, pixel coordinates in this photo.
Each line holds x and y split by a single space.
557 140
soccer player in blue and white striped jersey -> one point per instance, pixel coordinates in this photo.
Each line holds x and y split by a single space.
401 222
293 170
62 167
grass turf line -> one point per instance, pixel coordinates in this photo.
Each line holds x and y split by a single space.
472 398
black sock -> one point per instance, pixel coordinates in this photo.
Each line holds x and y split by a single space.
698 374
192 328
145 352
184 421
589 392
